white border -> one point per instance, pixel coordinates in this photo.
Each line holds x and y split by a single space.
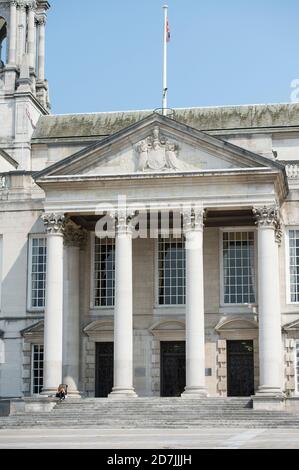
30 308
237 229
287 263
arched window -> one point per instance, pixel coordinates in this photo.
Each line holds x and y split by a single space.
3 42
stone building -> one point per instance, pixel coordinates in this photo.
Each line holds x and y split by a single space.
205 303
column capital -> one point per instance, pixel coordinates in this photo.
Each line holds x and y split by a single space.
21 5
41 20
193 218
13 3
74 235
54 223
31 5
269 217
123 218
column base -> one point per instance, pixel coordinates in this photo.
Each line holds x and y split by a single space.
268 398
195 392
118 392
267 391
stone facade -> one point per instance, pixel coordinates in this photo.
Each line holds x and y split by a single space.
236 166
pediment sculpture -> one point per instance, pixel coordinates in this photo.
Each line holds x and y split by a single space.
156 153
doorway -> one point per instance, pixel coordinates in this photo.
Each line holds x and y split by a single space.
104 369
173 368
240 368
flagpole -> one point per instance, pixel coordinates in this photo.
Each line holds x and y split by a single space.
164 99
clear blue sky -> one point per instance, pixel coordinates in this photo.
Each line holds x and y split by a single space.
106 55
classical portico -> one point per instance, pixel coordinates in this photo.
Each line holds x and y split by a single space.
158 166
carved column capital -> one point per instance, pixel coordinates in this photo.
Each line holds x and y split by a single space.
54 223
21 5
41 20
268 217
31 5
193 218
13 3
74 235
123 218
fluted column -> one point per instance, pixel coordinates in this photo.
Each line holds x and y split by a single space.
74 238
123 311
12 33
54 224
41 47
31 35
270 340
195 328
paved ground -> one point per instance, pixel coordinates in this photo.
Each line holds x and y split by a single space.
149 439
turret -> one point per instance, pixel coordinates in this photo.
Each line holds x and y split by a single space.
22 48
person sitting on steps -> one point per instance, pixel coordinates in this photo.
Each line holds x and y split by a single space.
61 392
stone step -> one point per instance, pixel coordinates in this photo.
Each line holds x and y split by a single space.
148 418
149 413
164 424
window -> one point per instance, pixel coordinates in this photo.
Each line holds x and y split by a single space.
37 274
238 267
104 272
294 265
37 368
171 275
297 365
3 41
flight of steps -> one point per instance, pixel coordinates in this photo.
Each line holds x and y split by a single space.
153 413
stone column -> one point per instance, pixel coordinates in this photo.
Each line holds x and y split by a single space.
270 340
31 36
123 311
195 328
41 47
74 237
54 304
21 43
12 33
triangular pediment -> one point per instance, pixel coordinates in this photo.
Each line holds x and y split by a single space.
294 325
34 330
157 144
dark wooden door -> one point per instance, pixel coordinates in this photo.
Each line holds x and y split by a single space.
240 369
104 369
173 368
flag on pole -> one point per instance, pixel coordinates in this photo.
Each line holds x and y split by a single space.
167 31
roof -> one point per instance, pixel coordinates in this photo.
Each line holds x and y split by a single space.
86 156
208 119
